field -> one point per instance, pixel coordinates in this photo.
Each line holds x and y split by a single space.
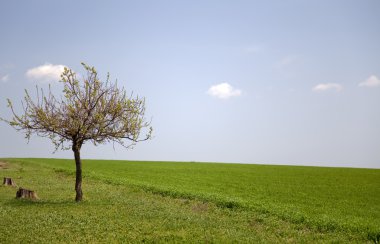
199 202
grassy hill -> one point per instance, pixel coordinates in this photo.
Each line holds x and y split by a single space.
201 202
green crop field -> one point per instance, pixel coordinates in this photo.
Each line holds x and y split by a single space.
127 201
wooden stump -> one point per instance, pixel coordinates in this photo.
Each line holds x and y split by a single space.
8 182
25 193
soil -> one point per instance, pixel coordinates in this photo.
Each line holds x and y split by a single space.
3 165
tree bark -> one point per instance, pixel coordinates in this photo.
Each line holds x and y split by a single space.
25 193
78 175
9 182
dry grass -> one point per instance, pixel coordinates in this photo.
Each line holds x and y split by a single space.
4 165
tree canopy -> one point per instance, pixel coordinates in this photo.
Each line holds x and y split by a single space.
88 110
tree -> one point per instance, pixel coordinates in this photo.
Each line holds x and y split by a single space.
90 110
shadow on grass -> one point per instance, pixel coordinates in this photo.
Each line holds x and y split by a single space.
26 202
14 202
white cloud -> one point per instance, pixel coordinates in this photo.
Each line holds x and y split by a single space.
45 73
4 78
223 91
327 86
372 81
286 61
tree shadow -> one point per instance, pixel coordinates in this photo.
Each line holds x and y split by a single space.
40 202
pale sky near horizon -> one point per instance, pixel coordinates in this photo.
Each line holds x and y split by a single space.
270 82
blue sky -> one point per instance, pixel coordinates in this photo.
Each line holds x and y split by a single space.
274 82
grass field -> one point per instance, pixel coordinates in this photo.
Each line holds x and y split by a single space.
197 202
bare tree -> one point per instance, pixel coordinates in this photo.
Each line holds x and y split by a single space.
89 110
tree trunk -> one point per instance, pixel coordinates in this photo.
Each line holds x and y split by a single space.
8 182
78 175
24 193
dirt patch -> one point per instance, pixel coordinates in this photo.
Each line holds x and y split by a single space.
4 165
200 207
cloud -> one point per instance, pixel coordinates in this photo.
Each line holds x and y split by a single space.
372 81
287 61
223 91
45 73
4 78
327 86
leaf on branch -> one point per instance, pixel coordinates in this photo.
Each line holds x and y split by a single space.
89 110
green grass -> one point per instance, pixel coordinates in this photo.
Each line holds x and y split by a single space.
197 202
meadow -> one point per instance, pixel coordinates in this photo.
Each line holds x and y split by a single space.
127 201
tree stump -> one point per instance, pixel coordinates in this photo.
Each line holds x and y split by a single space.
8 182
25 193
